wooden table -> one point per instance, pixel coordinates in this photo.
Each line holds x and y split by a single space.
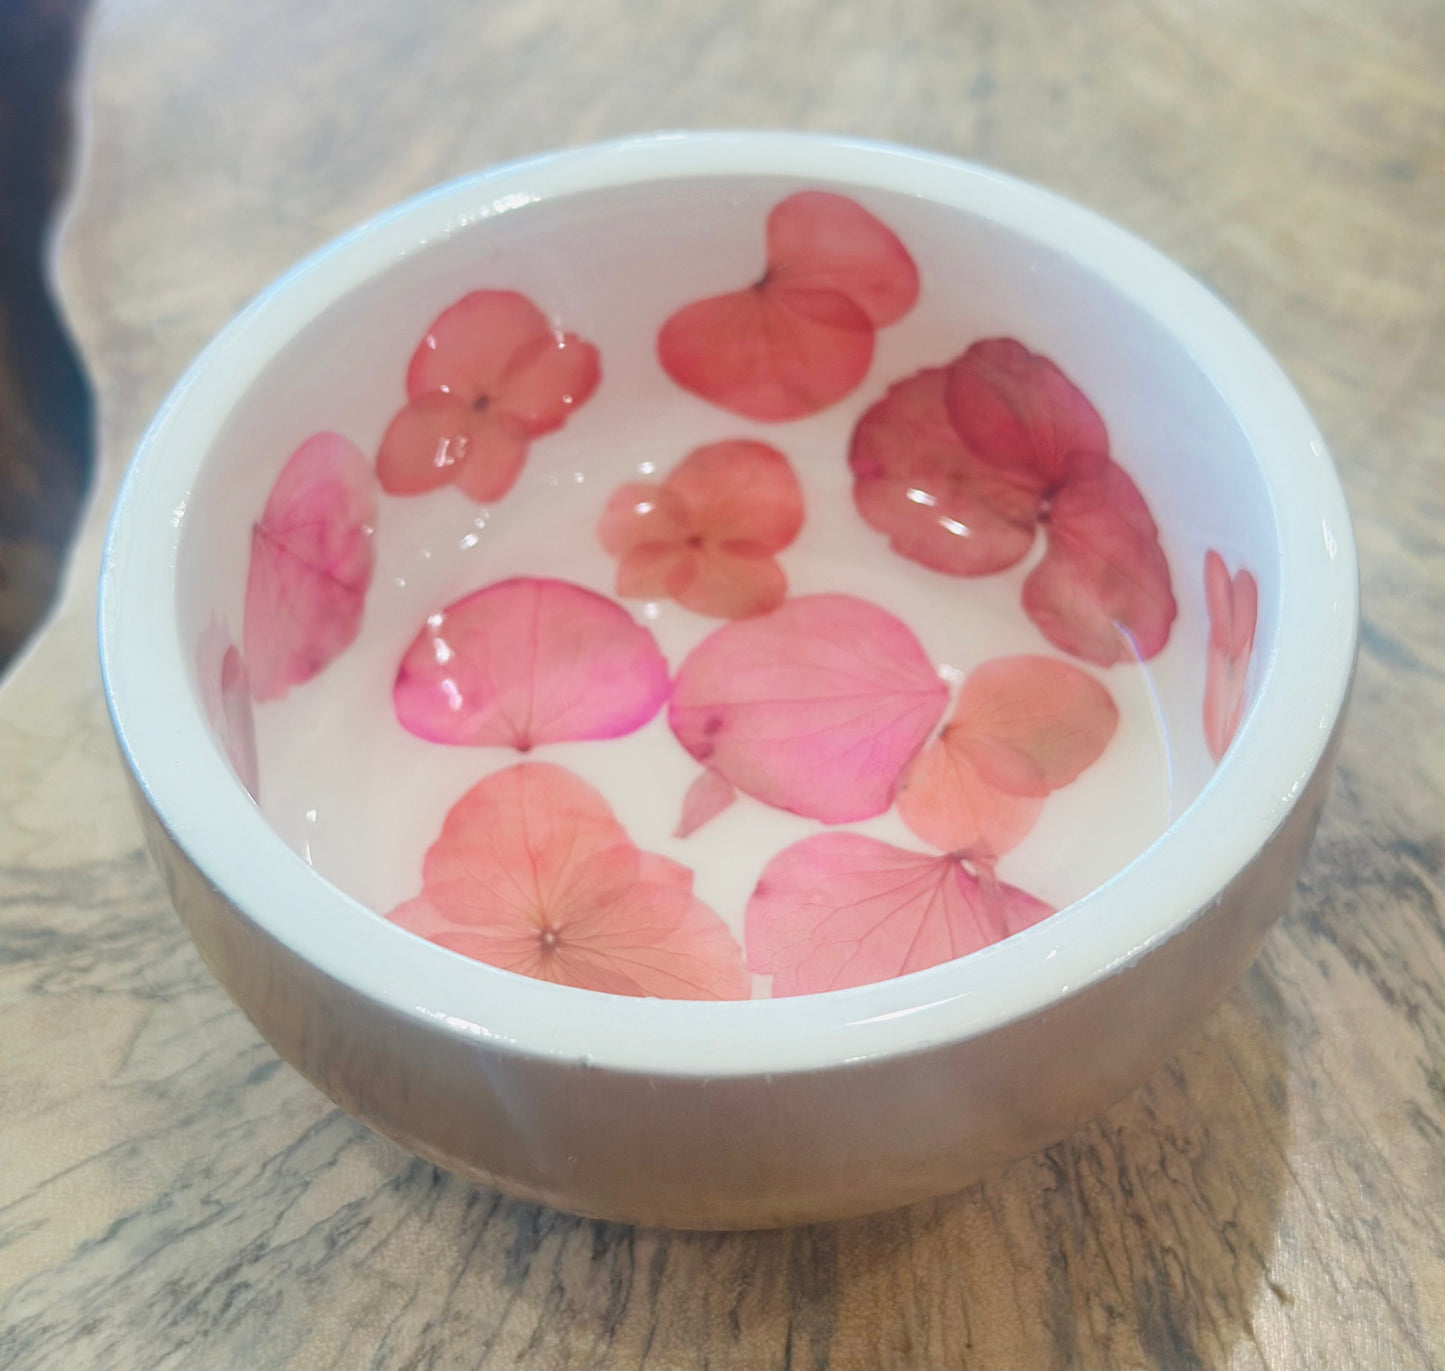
172 1196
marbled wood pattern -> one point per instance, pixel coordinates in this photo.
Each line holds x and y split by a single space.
173 1197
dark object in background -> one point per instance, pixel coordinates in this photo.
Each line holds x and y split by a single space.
45 405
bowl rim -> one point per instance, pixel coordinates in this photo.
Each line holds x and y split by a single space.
167 744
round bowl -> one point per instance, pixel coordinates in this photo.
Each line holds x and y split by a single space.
799 1106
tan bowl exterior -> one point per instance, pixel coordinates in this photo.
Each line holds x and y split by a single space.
752 1151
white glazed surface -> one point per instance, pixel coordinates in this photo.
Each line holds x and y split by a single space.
1216 422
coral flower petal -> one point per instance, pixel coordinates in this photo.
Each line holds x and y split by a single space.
946 802
917 481
532 873
727 584
768 352
1022 727
1020 413
1102 591
471 344
547 379
529 661
815 708
740 491
437 440
839 910
706 535
311 562
823 241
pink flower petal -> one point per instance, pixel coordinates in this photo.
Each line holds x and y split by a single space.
1020 413
471 344
226 694
1022 726
1102 591
641 514
915 480
436 440
946 802
814 708
768 352
706 798
311 563
529 661
547 379
839 910
532 873
1233 613
821 241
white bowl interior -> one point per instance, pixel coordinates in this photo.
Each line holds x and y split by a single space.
359 799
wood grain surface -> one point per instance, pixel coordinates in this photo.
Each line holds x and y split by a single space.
172 1196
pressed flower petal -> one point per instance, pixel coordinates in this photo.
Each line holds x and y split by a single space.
946 802
226 694
1031 724
529 661
436 439
728 584
1019 412
768 352
705 536
1102 591
471 344
533 874
814 708
311 563
548 378
656 571
706 798
1021 727
641 514
740 490
917 481
839 910
822 241
1233 606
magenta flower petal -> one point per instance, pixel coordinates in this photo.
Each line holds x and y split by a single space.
529 661
814 708
839 910
311 563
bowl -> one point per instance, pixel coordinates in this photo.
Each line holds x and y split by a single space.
897 624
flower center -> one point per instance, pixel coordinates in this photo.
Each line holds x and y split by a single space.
481 402
549 940
695 541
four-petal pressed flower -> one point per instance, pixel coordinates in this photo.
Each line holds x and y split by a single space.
532 873
959 467
706 535
490 375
